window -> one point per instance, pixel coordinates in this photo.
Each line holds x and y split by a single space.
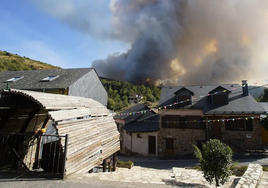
14 79
239 125
249 125
139 135
49 78
171 121
188 122
220 99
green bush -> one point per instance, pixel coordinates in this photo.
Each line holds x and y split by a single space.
215 159
124 162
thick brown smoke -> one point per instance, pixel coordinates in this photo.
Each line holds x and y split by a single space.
174 41
187 41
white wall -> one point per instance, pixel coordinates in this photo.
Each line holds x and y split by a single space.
139 145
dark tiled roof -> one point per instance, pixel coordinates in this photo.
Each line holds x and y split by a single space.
31 78
150 125
264 105
137 113
238 104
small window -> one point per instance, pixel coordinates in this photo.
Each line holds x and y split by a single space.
139 135
14 79
49 78
220 99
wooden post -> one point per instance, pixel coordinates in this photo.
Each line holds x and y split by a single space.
104 163
114 162
64 157
109 166
36 163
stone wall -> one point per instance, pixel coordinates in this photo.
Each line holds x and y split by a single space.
243 140
251 177
183 139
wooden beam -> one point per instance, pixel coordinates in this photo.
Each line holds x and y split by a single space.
104 164
31 116
114 162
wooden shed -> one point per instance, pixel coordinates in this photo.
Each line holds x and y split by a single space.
92 134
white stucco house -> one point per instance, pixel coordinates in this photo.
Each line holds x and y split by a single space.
138 128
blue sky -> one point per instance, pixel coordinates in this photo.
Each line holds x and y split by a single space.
35 29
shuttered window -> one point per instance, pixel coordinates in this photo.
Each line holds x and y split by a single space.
239 125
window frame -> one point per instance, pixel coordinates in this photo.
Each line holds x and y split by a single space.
49 78
181 122
14 79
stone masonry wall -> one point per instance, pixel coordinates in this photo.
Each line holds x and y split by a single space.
183 139
241 140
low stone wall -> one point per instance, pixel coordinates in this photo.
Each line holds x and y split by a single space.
251 177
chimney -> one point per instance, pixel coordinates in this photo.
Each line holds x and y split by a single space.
245 87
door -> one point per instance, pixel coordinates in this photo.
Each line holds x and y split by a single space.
152 145
264 135
169 146
215 130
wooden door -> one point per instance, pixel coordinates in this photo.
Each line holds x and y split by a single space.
169 146
216 130
264 135
152 145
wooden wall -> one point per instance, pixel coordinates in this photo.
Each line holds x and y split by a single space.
93 135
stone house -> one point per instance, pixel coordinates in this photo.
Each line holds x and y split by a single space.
135 98
264 133
193 114
138 128
80 82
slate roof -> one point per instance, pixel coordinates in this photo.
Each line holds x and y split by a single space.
238 104
137 113
150 125
264 105
31 78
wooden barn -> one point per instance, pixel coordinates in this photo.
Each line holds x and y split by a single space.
54 133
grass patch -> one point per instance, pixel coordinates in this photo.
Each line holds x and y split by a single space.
124 162
265 168
196 167
236 170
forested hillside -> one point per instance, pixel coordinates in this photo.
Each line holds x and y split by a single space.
14 62
256 91
118 93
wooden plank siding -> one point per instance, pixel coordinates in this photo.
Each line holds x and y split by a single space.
93 135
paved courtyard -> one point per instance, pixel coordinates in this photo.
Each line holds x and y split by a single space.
180 177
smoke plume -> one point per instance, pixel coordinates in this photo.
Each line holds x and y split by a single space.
182 41
187 41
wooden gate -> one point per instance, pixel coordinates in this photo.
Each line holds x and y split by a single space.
28 152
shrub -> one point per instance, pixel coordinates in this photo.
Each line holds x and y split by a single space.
215 160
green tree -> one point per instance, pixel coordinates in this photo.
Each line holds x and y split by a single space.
151 98
111 104
215 159
264 123
264 97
